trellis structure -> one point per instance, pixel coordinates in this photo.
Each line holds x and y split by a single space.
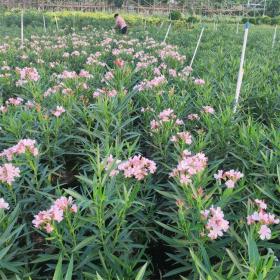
205 7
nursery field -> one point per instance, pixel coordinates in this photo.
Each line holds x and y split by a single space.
118 161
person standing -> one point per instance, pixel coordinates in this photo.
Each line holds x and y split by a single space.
120 23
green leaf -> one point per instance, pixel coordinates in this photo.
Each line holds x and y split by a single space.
254 256
85 242
141 272
69 272
58 270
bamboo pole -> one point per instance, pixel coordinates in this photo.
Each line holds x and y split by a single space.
241 70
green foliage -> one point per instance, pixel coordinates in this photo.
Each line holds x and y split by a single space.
175 15
119 220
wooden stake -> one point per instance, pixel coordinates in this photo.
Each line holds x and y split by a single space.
197 45
241 70
237 28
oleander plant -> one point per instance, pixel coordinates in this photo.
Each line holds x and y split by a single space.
120 161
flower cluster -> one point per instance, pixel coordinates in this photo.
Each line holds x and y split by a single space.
58 111
216 224
104 92
199 82
168 52
27 74
165 116
21 147
208 110
185 136
138 167
189 166
14 101
67 75
263 219
230 177
8 173
154 83
108 76
4 204
45 219
119 63
193 117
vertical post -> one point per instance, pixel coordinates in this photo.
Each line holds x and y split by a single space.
21 29
44 21
197 45
274 36
167 32
237 27
56 23
264 7
241 70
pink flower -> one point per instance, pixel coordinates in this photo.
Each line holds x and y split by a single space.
230 177
58 111
189 166
8 173
30 74
265 232
85 74
230 184
67 75
172 72
46 219
108 76
4 204
14 101
205 213
179 122
167 115
261 203
184 136
138 167
21 147
208 110
193 117
154 83
154 125
74 208
199 82
3 109
216 223
219 175
49 228
119 63
112 93
56 213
